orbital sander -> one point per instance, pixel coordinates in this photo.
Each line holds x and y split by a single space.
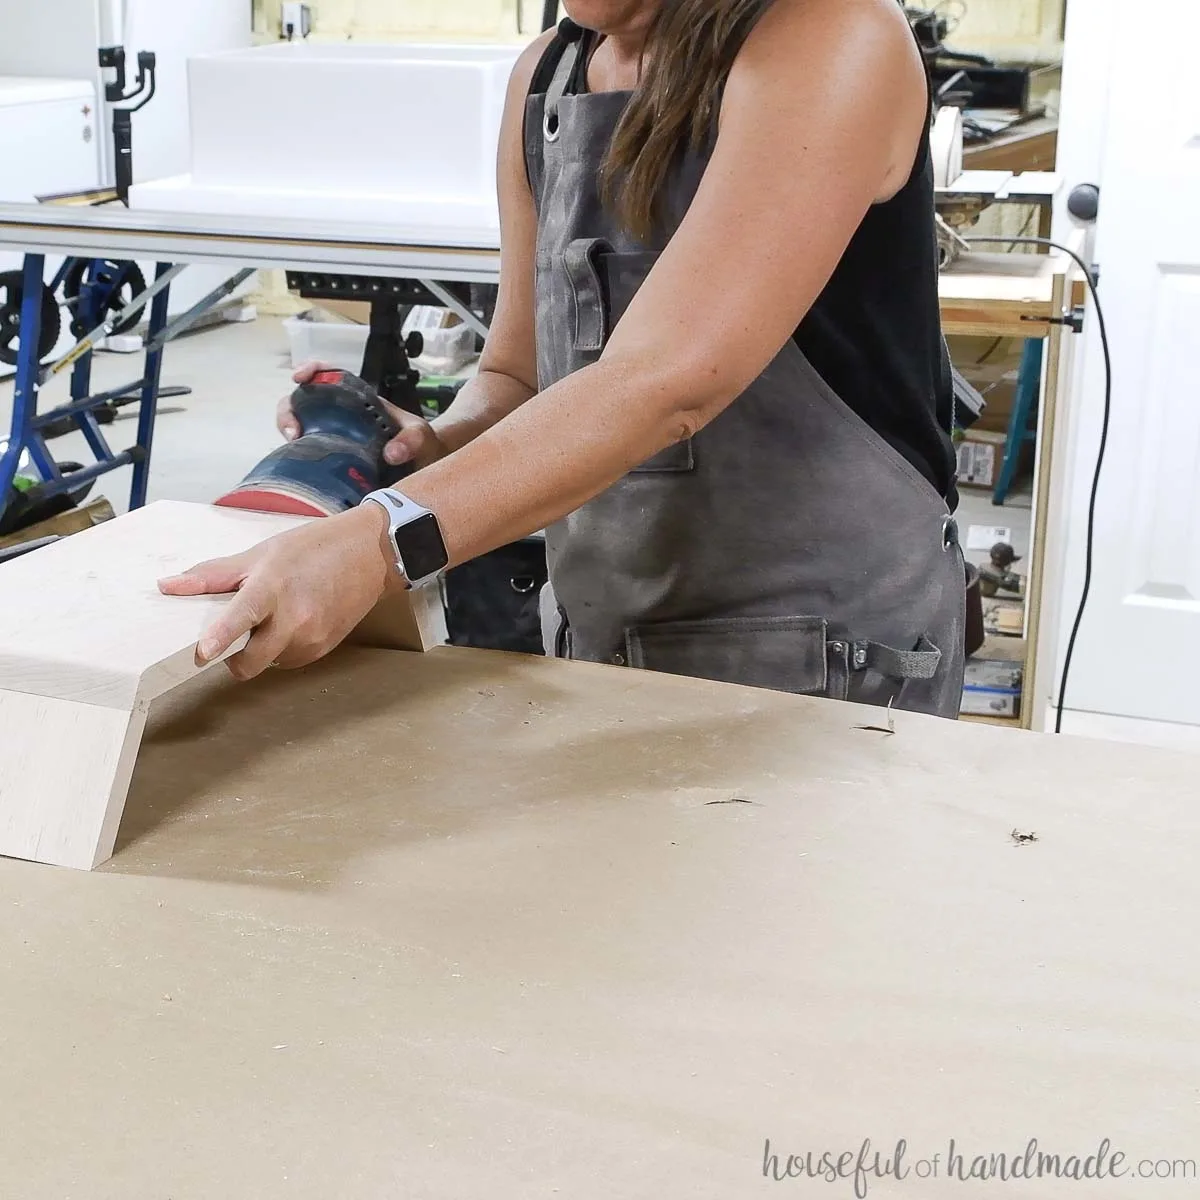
492 603
335 462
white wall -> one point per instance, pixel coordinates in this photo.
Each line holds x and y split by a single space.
176 31
406 20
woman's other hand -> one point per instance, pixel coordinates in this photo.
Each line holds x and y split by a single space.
416 443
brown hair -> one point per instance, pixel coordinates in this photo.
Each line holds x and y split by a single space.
689 51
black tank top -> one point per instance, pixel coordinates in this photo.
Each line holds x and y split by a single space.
874 334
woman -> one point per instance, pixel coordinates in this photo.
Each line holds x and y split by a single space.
715 375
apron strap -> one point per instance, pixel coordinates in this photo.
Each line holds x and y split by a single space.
587 290
558 89
921 663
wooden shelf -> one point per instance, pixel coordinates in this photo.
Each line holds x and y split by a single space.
1029 147
1000 294
1001 722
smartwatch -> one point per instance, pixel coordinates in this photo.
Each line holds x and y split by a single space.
415 535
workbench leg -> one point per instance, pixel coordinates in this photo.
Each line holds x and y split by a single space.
26 384
1020 424
159 311
81 389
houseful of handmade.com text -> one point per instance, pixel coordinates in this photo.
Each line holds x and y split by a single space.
865 1165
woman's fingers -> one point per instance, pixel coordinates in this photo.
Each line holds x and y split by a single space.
306 372
212 578
415 443
267 644
249 609
405 447
285 419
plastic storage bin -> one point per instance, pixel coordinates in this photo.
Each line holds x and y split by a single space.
448 349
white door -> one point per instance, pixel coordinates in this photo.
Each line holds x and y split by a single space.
1138 654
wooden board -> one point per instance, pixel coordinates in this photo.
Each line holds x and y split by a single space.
87 641
465 925
65 775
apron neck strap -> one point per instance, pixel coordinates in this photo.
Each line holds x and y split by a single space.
558 88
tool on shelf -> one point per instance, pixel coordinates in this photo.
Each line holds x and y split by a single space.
125 104
997 575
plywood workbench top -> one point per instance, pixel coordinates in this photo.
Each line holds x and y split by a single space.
467 925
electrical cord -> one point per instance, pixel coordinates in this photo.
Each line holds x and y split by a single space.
1108 385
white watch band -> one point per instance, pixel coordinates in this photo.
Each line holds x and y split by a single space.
401 511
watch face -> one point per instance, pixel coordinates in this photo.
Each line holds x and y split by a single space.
420 548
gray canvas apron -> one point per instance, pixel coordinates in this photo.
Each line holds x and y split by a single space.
786 545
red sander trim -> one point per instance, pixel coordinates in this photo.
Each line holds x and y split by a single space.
271 502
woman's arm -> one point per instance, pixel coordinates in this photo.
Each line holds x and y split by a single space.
821 119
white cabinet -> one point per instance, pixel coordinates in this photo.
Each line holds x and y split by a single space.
49 137
48 144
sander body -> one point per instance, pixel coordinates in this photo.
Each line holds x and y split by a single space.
335 462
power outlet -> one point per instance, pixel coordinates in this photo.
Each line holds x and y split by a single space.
295 21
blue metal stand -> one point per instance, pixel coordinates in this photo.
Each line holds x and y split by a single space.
28 424
151 377
1022 425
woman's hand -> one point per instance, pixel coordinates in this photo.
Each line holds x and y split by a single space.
416 443
299 594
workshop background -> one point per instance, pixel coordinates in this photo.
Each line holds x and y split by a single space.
1031 390
428 921
1017 30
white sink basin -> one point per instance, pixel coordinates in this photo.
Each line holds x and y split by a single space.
399 135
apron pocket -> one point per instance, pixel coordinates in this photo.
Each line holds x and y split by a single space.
623 275
784 654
